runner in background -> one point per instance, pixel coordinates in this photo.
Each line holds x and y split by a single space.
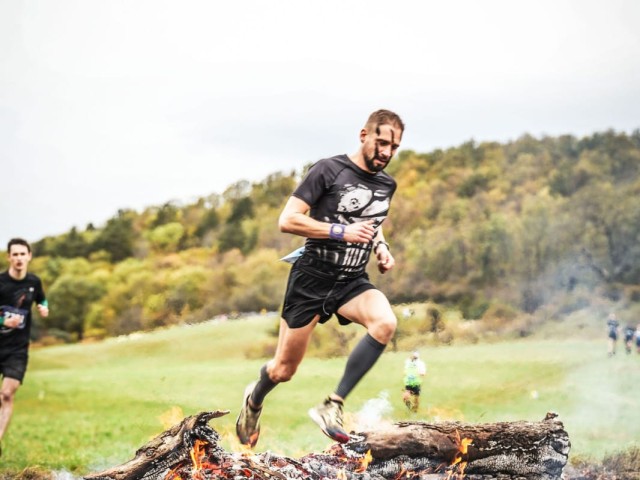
414 371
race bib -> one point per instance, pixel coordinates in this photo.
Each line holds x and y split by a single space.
7 312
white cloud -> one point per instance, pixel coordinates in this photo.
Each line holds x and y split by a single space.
107 105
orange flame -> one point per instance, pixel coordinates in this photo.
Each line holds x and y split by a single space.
341 475
197 452
171 417
246 449
364 463
463 449
463 465
401 474
173 474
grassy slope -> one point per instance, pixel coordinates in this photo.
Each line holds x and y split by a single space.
88 407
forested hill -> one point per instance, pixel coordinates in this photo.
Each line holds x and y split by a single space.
537 226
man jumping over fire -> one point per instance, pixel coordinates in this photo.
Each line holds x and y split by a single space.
339 207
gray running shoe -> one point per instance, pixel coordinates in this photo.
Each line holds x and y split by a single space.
328 416
248 423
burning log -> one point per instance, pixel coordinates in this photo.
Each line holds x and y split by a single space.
167 450
407 450
533 450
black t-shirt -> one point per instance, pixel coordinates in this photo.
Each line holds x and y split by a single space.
338 191
19 294
628 332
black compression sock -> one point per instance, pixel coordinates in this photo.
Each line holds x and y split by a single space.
262 388
362 358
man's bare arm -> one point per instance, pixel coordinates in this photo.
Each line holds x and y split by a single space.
381 250
294 219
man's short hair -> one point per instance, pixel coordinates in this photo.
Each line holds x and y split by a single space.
385 117
18 241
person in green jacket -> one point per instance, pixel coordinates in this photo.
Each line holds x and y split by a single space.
414 370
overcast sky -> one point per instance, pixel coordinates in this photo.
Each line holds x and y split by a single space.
126 104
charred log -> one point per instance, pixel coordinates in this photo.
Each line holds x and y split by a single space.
408 450
516 449
170 448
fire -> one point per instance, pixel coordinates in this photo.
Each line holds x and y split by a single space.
200 468
245 449
403 473
197 452
458 463
364 462
171 417
341 475
173 474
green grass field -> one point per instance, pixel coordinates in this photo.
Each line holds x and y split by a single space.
87 407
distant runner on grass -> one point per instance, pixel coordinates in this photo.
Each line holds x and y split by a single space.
19 290
414 370
612 333
339 207
629 334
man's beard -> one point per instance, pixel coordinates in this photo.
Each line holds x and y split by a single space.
369 162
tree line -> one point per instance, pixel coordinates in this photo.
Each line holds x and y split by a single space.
534 227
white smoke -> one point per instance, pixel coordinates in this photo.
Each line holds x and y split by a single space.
371 415
64 475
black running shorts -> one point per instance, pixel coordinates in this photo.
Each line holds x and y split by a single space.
309 294
14 364
414 389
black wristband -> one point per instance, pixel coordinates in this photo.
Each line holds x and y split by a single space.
377 244
336 231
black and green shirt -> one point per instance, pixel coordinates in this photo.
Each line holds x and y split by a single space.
19 294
